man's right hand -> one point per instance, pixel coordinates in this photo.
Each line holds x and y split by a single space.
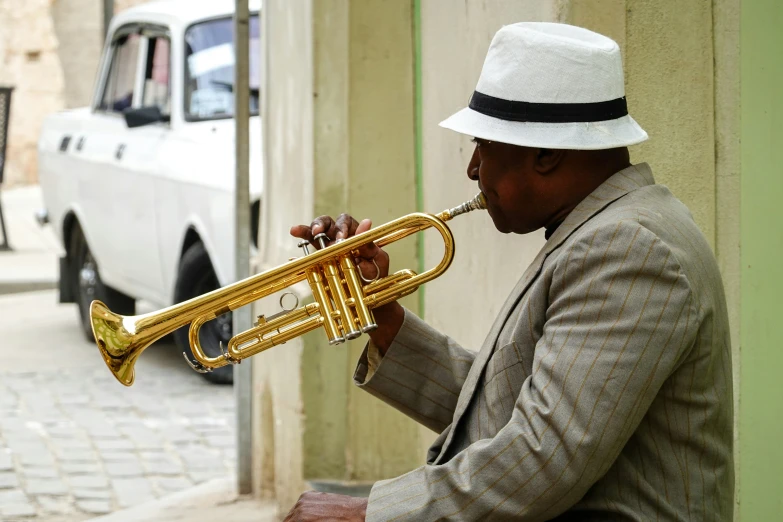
373 262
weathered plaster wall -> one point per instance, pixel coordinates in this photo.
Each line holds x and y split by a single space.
455 39
279 408
49 52
670 87
726 33
120 5
30 63
78 27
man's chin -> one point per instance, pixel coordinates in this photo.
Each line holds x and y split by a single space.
501 227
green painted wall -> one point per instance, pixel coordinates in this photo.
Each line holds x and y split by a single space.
761 387
381 442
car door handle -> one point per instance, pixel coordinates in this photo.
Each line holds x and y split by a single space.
120 151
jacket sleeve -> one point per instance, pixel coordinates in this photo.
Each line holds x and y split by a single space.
421 373
616 328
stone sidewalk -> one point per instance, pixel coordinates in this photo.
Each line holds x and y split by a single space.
74 443
32 265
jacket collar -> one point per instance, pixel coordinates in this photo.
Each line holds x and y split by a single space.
620 184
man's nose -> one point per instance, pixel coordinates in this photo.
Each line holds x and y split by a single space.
473 165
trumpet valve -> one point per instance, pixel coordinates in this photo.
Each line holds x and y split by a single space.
304 245
322 239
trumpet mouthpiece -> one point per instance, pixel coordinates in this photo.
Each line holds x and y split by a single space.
479 202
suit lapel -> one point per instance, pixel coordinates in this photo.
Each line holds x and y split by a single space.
617 186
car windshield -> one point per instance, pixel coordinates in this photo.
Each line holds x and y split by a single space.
209 69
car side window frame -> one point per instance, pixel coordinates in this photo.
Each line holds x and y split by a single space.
149 32
145 31
153 39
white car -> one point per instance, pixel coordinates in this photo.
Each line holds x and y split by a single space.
140 185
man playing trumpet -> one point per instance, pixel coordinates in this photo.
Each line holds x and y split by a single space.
603 389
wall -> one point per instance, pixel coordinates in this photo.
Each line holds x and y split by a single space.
29 62
726 33
672 79
78 27
761 422
682 82
382 187
287 105
464 301
49 51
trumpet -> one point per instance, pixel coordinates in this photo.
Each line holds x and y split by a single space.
342 305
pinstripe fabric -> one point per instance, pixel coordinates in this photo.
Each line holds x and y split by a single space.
602 392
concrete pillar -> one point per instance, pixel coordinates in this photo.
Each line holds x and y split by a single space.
338 136
288 198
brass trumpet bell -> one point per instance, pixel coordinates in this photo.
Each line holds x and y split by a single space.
115 342
342 303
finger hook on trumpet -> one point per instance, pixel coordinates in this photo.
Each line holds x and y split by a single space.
197 366
377 273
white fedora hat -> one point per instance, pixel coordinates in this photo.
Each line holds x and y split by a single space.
552 86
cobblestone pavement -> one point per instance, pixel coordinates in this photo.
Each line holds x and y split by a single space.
74 443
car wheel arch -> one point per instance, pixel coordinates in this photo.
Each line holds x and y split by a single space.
196 232
70 221
194 236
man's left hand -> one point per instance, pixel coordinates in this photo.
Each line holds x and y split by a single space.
314 505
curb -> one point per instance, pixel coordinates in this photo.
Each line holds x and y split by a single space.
20 287
212 500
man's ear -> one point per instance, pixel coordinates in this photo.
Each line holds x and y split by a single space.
547 160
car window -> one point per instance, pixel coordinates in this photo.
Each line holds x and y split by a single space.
209 69
157 83
118 90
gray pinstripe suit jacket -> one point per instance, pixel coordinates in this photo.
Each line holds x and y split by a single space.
602 392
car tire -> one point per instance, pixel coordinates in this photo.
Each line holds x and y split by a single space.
88 286
196 277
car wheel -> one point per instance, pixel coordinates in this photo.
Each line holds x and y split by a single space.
197 277
87 284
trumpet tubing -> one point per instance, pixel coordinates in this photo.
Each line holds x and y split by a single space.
341 305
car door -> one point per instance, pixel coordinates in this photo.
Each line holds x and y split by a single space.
119 191
139 166
111 220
